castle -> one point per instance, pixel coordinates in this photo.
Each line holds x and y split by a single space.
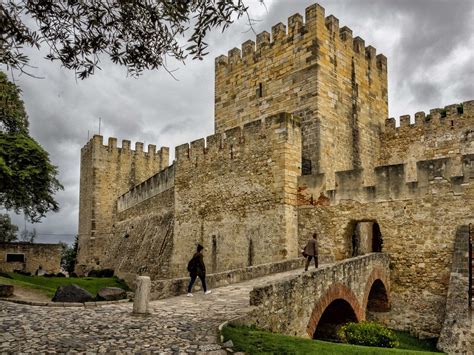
302 144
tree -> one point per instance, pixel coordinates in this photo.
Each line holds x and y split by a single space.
28 236
137 34
7 229
68 256
27 178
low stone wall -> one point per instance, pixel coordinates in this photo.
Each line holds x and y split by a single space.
63 304
456 336
29 257
173 287
295 305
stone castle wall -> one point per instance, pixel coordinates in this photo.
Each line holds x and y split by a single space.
457 335
315 71
238 186
447 132
418 222
235 193
106 173
143 238
46 256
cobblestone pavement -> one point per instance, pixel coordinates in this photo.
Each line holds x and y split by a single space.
176 325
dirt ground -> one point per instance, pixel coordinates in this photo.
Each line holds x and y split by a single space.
28 294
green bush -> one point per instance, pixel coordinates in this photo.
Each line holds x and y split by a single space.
368 334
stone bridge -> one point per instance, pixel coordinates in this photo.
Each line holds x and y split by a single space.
314 303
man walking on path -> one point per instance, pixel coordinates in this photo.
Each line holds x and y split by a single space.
196 269
311 251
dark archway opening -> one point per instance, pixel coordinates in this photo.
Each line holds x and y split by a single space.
378 298
377 241
214 253
338 313
355 243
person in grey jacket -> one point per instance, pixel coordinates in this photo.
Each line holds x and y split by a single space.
311 251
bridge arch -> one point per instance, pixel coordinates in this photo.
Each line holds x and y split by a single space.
340 304
377 292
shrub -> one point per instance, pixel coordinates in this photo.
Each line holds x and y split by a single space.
368 334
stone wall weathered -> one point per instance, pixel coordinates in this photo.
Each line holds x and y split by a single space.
107 172
418 223
142 242
46 256
457 334
447 132
236 195
165 288
318 72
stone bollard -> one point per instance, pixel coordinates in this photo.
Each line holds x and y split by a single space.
142 295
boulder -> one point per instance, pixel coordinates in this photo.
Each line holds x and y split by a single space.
72 293
111 294
6 290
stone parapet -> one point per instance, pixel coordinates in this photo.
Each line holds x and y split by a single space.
448 117
287 35
392 182
294 306
153 186
173 287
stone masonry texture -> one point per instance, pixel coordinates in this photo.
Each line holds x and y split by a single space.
46 256
302 144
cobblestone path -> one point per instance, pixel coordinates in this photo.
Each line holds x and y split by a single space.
176 325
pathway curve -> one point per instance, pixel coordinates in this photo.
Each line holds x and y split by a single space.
176 325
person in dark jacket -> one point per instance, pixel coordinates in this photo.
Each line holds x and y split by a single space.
197 268
311 251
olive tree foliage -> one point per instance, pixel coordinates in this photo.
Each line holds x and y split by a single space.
136 34
8 231
27 178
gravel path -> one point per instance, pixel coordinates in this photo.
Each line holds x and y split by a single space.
176 325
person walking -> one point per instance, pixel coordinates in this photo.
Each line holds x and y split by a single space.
311 251
197 268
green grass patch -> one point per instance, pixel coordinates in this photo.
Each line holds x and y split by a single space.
48 285
253 341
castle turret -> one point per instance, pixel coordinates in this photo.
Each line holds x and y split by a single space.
319 72
106 173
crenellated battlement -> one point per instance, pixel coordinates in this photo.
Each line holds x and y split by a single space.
111 147
449 117
296 29
226 145
392 182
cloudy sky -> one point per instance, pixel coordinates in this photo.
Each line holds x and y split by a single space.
429 45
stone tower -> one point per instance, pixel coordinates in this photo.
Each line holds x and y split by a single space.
106 173
319 72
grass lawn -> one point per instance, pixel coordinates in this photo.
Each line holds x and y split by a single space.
48 285
259 342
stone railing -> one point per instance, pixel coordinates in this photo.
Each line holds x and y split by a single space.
291 306
173 287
